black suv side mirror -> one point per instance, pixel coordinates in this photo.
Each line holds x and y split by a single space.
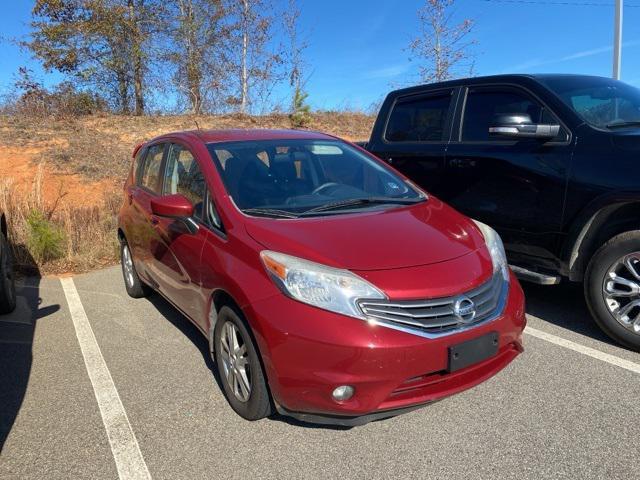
520 125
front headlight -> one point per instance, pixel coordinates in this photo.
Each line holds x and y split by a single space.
496 249
319 285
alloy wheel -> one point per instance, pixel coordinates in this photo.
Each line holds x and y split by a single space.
621 290
127 263
235 361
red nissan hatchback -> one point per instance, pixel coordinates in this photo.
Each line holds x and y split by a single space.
328 286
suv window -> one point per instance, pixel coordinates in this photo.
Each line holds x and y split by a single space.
150 178
183 175
419 119
483 105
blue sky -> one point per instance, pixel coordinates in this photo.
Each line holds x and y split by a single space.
357 48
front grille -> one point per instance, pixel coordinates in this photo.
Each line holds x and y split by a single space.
436 316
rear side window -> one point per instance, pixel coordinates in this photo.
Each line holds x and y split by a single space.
183 176
419 119
483 106
137 164
151 172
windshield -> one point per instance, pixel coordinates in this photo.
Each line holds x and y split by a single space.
276 177
602 102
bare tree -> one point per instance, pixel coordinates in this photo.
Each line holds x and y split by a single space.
443 48
253 54
196 41
296 66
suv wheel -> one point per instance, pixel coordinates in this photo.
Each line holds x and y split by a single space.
612 288
132 283
239 367
7 282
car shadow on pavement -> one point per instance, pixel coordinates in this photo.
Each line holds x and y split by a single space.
17 331
563 305
190 331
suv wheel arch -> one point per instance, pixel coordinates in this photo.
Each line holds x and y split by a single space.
601 225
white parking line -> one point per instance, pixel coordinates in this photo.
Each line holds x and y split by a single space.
590 352
124 446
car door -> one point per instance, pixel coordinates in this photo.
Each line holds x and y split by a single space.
415 136
142 235
176 253
518 186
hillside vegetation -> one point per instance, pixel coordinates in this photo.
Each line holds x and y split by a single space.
60 179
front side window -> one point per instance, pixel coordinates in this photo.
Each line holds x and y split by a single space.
183 176
484 106
296 176
151 176
601 102
419 119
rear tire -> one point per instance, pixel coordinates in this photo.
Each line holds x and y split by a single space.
7 279
135 287
612 288
239 367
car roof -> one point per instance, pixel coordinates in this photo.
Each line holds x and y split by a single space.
506 78
233 135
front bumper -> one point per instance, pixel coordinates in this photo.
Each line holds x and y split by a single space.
308 352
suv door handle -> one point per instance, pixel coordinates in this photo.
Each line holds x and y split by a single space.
462 162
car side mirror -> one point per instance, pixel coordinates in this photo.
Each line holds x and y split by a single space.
175 206
521 126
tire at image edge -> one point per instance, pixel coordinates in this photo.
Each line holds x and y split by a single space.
7 283
602 260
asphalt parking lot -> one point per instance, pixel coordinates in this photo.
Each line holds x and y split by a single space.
567 408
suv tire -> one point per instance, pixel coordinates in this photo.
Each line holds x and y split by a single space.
7 280
241 365
612 282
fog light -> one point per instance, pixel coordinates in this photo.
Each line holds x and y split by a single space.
342 393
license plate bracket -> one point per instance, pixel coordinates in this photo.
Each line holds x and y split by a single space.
473 351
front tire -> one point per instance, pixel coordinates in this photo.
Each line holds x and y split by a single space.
132 283
238 363
7 280
612 288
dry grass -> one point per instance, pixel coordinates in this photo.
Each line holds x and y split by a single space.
66 238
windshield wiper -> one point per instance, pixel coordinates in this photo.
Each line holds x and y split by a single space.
353 202
269 212
623 124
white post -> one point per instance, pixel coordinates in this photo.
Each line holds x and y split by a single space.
617 41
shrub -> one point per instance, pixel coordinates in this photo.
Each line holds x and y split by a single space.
45 240
301 115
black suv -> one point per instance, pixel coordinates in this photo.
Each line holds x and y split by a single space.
551 161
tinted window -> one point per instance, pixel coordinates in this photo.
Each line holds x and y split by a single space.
483 106
137 164
183 176
296 175
419 119
151 172
599 101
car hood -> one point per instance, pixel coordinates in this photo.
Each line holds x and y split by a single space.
422 234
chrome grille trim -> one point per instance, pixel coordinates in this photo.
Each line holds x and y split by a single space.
434 318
